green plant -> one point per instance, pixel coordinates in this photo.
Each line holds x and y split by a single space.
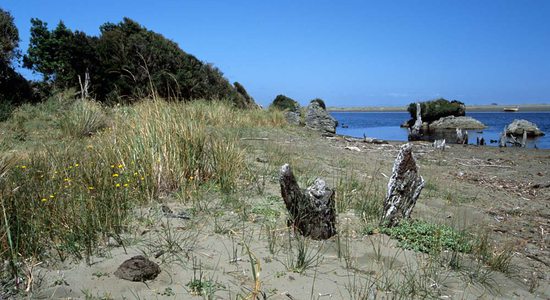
282 102
147 65
84 118
435 109
427 237
300 254
64 195
199 285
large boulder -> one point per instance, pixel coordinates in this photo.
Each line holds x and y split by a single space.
517 127
293 117
452 122
318 118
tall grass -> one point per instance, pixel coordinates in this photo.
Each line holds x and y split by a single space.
59 200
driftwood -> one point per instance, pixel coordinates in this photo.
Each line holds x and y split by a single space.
461 136
512 140
404 188
311 211
480 141
439 144
414 131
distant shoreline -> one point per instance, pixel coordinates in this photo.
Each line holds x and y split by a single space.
479 108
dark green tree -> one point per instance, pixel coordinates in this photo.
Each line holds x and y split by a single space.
14 88
282 102
126 62
320 102
435 109
9 37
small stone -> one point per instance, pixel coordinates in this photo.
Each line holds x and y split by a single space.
137 268
112 242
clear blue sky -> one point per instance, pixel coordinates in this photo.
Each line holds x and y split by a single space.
350 53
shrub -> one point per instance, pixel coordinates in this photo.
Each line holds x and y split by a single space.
427 237
435 109
320 102
282 102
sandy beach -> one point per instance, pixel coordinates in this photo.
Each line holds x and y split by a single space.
237 245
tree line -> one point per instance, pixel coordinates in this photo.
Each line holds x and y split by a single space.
125 63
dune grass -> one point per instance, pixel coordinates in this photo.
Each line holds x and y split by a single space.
86 167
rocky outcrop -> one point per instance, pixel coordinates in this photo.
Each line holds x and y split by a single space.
452 122
517 127
293 117
319 119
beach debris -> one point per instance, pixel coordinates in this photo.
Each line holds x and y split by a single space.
353 148
414 131
503 138
311 211
369 140
461 136
137 268
480 141
404 188
511 139
439 144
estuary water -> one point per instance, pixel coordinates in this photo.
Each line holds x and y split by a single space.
385 125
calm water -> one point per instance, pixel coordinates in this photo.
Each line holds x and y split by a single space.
385 125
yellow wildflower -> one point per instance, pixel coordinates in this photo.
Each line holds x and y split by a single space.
125 185
115 175
76 165
135 173
52 196
23 167
117 185
190 177
112 166
44 200
90 188
120 166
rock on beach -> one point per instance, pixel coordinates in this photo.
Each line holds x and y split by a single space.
452 122
318 118
517 127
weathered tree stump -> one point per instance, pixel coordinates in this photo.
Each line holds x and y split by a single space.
311 210
461 136
414 131
439 144
404 188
